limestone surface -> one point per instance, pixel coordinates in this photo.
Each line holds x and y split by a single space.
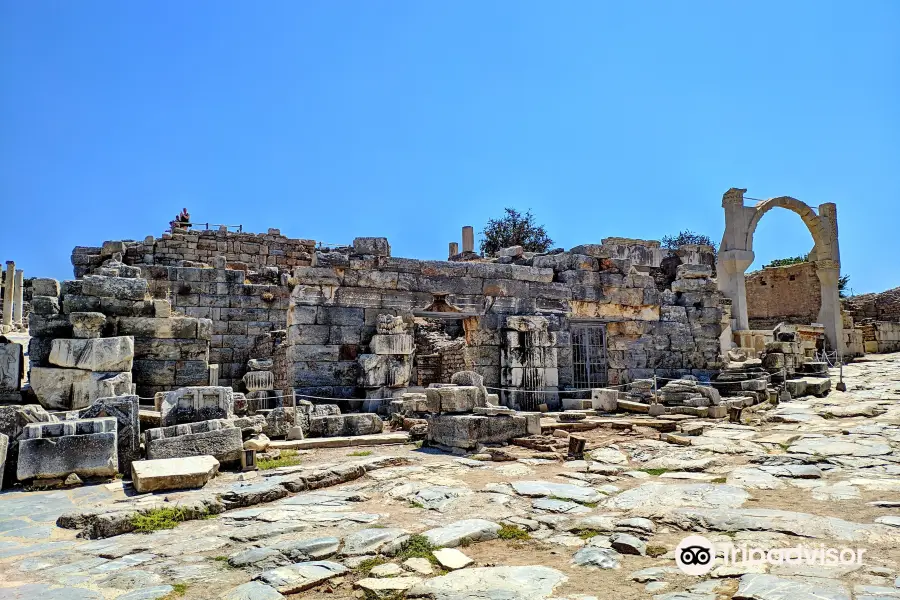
173 473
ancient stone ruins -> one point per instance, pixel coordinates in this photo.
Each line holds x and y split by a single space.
220 414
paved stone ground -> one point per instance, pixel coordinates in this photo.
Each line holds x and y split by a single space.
817 471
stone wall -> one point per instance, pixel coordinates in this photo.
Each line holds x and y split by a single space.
78 349
315 311
249 251
334 310
884 306
789 294
243 314
881 336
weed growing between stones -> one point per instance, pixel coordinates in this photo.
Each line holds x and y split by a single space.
718 480
586 534
511 532
417 546
656 551
415 504
361 453
368 564
288 458
654 472
159 518
178 590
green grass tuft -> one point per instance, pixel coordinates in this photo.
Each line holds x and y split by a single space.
361 453
417 546
178 590
416 504
655 472
511 532
718 480
656 551
162 518
368 564
288 458
586 534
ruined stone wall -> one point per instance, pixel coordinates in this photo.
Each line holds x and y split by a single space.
243 314
884 306
881 336
789 294
166 351
255 251
333 312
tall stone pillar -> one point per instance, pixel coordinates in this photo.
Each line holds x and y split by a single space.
18 301
730 269
468 239
8 292
830 312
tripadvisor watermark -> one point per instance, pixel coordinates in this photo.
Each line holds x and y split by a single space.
696 555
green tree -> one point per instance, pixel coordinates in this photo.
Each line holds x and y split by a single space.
843 282
686 237
514 229
783 262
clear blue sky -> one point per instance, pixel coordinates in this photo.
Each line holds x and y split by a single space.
337 119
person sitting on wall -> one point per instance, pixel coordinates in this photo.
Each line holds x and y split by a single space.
182 220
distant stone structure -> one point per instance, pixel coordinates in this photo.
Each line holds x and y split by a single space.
791 294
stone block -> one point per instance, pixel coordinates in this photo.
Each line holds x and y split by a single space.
604 400
14 419
260 364
43 286
526 323
49 326
687 271
817 386
125 410
258 381
392 344
196 403
122 288
345 425
512 251
87 448
151 327
217 438
94 354
162 309
469 431
72 389
373 246
12 364
458 398
189 472
783 347
45 305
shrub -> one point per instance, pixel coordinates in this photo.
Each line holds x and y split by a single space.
288 458
160 518
511 532
417 546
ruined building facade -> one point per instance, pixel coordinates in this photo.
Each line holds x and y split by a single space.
531 324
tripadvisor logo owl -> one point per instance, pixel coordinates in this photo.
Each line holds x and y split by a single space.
694 555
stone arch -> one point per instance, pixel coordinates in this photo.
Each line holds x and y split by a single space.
803 210
736 254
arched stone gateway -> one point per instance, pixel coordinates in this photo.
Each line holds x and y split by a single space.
736 254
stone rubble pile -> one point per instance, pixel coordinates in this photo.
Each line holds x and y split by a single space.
461 415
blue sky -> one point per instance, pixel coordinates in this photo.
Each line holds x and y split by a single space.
333 120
